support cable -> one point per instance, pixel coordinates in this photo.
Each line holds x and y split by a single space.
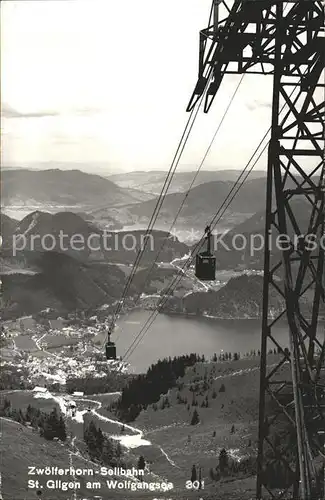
226 203
216 219
168 180
189 188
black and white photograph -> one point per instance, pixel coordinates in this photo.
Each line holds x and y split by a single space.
162 250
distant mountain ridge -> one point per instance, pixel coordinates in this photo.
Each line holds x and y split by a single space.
107 203
63 188
241 297
59 282
199 205
68 233
234 203
255 227
7 228
152 181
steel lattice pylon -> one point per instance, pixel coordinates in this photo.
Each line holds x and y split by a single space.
284 39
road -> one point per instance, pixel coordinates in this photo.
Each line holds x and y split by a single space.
130 441
188 273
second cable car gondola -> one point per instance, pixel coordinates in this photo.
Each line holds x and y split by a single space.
205 263
110 348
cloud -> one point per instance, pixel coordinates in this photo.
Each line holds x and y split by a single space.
84 111
254 105
9 112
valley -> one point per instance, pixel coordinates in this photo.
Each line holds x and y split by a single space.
166 440
189 392
111 205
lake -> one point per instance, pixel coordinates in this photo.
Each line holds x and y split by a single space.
177 335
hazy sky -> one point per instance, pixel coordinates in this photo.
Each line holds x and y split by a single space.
109 81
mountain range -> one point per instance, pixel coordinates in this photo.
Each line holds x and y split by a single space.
66 277
109 204
68 233
252 231
8 227
234 202
196 208
36 275
58 281
241 297
101 200
153 181
64 188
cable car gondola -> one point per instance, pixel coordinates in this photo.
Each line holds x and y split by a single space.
205 263
110 348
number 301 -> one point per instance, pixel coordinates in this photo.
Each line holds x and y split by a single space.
195 485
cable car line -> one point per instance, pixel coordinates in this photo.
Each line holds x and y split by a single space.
213 223
179 276
200 243
158 205
110 346
152 221
192 183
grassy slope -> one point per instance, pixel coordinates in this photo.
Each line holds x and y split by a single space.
238 405
21 447
167 429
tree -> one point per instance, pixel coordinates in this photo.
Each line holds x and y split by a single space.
222 388
145 390
108 452
118 452
29 413
223 460
20 417
99 440
51 426
193 474
6 409
93 439
62 432
195 418
232 429
141 463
